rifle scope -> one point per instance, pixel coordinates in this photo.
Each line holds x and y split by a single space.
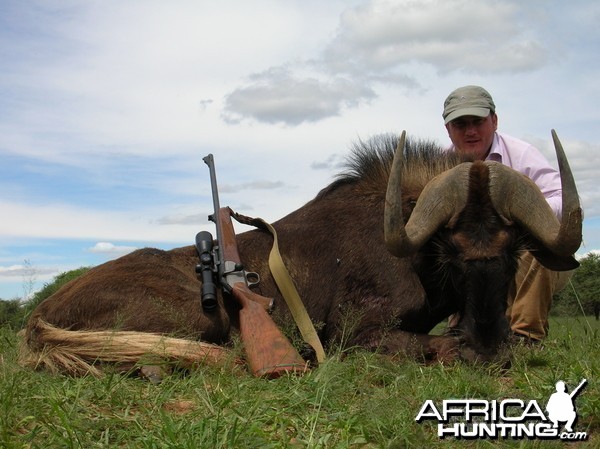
204 246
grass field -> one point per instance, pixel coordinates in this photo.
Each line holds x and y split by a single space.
354 400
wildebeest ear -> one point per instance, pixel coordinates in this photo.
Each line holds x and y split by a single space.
554 262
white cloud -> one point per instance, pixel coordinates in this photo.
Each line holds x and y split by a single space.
132 76
61 221
277 96
182 219
24 271
584 160
14 271
476 36
108 107
595 252
252 185
376 42
334 161
111 249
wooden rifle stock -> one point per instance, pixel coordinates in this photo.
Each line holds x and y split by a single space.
268 351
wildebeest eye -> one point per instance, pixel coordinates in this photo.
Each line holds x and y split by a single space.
408 206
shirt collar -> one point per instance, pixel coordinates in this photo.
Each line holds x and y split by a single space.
497 151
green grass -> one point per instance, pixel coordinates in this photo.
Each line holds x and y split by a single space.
355 400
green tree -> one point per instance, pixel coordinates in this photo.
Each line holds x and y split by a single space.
15 313
582 291
11 313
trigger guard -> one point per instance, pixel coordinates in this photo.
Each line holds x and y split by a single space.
252 278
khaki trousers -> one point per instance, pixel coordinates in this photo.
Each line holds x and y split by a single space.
530 297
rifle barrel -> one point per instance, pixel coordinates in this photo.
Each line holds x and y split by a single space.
579 387
214 217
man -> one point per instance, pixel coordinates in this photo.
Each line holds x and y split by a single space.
471 121
560 407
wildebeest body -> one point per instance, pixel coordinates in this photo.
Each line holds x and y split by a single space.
334 248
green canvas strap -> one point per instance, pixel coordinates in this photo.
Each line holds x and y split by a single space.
287 288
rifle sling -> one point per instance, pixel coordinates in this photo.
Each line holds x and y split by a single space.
286 286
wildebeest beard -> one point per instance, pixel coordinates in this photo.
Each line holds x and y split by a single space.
476 290
482 305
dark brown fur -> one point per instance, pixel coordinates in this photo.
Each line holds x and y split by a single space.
353 289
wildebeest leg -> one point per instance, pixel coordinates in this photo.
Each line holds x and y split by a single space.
429 348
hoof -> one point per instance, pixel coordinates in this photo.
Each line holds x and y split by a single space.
442 349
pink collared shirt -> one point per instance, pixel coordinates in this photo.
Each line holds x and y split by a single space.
526 159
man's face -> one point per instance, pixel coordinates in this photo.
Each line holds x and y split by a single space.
472 135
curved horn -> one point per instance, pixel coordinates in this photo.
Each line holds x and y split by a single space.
440 200
518 198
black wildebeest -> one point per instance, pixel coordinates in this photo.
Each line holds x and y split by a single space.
394 243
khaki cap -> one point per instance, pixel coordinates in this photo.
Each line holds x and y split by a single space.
468 100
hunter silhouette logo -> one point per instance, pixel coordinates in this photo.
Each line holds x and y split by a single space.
561 406
507 418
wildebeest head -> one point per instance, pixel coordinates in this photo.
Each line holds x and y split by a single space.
471 222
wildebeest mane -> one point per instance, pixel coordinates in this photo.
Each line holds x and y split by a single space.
370 161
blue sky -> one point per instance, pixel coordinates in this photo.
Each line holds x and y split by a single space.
109 106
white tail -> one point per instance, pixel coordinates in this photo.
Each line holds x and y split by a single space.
77 352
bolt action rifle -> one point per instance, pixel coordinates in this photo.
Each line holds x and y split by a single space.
268 351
